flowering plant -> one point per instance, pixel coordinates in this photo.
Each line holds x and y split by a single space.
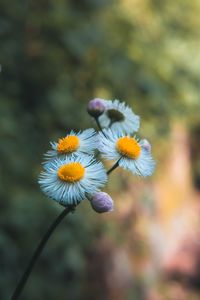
72 173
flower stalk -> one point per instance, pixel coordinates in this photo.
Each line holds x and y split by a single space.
99 125
38 251
113 167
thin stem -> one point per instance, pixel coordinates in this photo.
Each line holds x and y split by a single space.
38 251
113 167
99 125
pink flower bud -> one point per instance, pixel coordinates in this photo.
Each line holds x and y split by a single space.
146 145
101 202
96 107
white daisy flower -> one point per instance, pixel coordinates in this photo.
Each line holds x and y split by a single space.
69 180
74 143
119 117
130 153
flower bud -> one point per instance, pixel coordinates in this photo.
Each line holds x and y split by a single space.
146 145
101 202
96 107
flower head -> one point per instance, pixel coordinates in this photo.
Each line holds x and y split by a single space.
69 180
74 143
131 153
119 117
96 107
101 202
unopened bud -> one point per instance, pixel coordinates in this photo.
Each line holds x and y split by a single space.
146 145
96 107
101 202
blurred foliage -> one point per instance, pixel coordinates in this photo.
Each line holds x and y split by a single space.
55 56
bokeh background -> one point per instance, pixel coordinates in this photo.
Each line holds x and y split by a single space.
57 55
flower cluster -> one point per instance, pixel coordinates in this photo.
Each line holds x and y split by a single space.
71 171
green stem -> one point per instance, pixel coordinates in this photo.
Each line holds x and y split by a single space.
38 251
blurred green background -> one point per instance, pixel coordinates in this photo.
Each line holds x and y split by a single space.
55 56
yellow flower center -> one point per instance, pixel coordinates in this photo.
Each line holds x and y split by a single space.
68 144
129 147
71 172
